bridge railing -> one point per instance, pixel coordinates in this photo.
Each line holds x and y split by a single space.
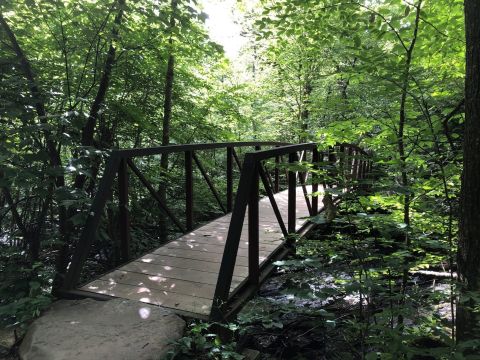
343 161
117 167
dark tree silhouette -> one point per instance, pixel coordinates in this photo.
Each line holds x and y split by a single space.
469 241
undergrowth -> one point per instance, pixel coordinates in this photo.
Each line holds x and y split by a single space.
353 290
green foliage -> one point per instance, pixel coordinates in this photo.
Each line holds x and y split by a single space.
48 175
24 289
324 71
202 342
348 278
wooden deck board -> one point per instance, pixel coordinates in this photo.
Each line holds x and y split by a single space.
183 244
240 271
193 264
192 275
182 274
202 255
169 299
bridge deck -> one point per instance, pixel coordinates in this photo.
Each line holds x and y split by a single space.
182 274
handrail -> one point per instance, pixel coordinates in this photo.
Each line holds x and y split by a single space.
283 150
191 147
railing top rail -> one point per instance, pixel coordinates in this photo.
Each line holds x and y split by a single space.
129 153
356 147
286 149
279 151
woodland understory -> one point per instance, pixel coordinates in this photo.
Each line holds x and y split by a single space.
376 281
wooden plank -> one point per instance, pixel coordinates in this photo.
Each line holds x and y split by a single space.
218 238
266 226
183 258
154 282
197 305
268 232
123 213
173 272
151 282
213 248
210 269
202 255
270 239
268 222
230 253
201 265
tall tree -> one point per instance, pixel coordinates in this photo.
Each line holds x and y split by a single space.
32 235
167 110
469 234
88 133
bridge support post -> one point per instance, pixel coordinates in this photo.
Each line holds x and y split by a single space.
229 179
123 214
315 160
355 166
277 175
189 190
253 230
292 196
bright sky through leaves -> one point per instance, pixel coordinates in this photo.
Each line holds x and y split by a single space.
222 27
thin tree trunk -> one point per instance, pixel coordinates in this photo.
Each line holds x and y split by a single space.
446 128
305 113
401 144
40 108
469 231
88 130
167 117
87 140
37 96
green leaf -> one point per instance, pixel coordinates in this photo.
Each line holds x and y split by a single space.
357 41
373 356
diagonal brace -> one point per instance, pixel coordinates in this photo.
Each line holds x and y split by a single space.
152 191
209 182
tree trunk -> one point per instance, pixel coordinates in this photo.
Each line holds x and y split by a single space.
88 133
167 117
51 145
401 145
305 113
469 231
88 130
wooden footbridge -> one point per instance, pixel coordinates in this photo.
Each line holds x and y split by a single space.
210 271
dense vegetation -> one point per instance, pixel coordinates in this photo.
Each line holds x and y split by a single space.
79 78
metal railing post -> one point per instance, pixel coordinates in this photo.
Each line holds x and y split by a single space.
253 230
292 195
277 175
229 179
189 190
123 214
355 166
315 160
